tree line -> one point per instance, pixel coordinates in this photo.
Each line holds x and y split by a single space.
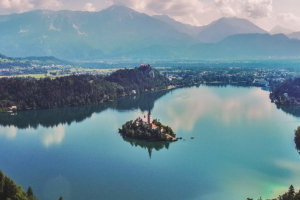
29 94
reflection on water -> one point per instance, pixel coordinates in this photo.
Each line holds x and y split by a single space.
54 135
243 147
52 122
291 109
150 146
8 131
229 108
56 117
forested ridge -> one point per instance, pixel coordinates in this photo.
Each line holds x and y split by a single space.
28 94
139 79
9 190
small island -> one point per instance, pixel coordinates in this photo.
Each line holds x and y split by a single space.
144 128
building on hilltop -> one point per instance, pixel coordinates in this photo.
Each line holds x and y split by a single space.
145 65
149 119
146 119
147 68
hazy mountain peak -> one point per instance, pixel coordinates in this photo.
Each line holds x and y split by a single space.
170 20
180 27
227 26
122 13
228 19
119 31
239 23
119 9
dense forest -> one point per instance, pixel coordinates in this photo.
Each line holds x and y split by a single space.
287 93
29 94
139 79
9 190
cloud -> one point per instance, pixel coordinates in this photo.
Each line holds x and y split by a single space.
245 8
18 6
226 7
288 18
53 135
48 4
181 10
9 131
89 7
201 12
258 8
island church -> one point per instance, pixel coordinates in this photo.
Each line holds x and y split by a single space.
146 119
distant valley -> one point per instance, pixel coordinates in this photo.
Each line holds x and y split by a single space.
121 33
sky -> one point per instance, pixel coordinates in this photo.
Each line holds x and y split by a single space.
265 13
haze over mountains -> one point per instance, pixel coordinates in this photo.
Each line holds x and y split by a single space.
122 33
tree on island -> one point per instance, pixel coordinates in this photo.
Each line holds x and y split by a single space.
154 131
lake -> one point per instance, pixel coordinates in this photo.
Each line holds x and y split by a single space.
243 147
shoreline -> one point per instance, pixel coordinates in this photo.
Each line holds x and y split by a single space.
169 88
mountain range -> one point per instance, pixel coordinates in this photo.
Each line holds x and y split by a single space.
121 33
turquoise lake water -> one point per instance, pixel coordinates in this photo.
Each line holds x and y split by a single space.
242 147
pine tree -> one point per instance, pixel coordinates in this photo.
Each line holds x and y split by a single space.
29 192
291 192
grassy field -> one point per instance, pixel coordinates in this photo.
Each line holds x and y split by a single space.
56 73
